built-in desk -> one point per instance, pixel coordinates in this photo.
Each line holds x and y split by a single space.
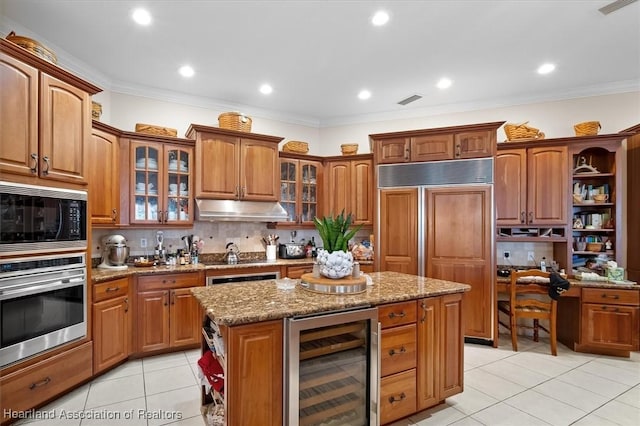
595 316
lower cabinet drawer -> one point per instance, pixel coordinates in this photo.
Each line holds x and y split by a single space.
397 396
42 381
610 296
398 349
399 313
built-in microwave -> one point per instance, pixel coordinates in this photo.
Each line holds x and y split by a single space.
38 219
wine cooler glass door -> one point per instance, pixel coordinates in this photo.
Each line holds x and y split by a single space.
332 369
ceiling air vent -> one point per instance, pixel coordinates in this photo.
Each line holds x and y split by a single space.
612 7
410 99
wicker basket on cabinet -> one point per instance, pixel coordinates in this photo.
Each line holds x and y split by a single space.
349 148
234 121
150 129
296 146
33 46
587 128
522 131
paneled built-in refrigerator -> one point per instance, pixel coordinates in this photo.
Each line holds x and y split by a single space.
436 219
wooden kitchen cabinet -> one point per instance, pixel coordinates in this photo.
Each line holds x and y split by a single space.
350 187
445 143
40 382
398 240
398 357
301 195
459 248
46 131
111 323
298 271
167 315
531 185
160 186
104 175
234 165
610 319
441 348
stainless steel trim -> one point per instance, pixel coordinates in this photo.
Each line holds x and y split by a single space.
41 248
272 275
422 232
449 172
240 211
42 191
376 357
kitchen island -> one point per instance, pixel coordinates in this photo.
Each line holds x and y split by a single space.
421 342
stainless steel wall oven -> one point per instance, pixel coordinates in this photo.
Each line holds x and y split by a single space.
38 219
331 369
43 304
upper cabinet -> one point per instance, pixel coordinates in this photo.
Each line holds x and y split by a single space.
103 176
531 185
445 143
45 132
350 187
160 184
233 165
300 188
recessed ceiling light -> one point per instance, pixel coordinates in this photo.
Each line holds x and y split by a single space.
141 16
546 68
186 71
364 94
444 83
266 89
380 18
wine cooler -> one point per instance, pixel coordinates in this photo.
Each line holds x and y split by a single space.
331 370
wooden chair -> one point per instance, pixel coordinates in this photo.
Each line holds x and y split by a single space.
523 304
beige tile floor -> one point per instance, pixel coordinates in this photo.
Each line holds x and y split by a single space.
501 387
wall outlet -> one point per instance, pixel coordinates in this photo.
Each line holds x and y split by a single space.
530 257
506 254
143 242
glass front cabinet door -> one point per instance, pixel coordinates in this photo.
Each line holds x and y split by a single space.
300 181
161 184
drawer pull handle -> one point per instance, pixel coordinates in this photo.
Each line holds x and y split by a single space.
126 304
400 315
606 308
393 352
46 162
34 157
522 216
606 296
46 381
393 399
110 289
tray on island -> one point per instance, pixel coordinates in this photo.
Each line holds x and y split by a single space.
342 286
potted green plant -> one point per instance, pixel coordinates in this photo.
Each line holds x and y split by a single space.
334 259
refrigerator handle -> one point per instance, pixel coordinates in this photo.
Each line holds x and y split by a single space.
375 376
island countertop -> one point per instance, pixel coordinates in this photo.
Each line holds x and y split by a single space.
257 301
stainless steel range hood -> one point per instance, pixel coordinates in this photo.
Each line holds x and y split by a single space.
240 211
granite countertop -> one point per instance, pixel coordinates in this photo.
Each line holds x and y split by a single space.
588 284
101 275
256 301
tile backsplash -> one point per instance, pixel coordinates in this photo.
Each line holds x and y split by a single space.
216 235
518 253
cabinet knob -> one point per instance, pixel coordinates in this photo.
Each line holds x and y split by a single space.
393 399
46 162
34 168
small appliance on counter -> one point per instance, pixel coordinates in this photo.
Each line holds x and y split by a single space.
231 256
291 251
114 252
160 251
